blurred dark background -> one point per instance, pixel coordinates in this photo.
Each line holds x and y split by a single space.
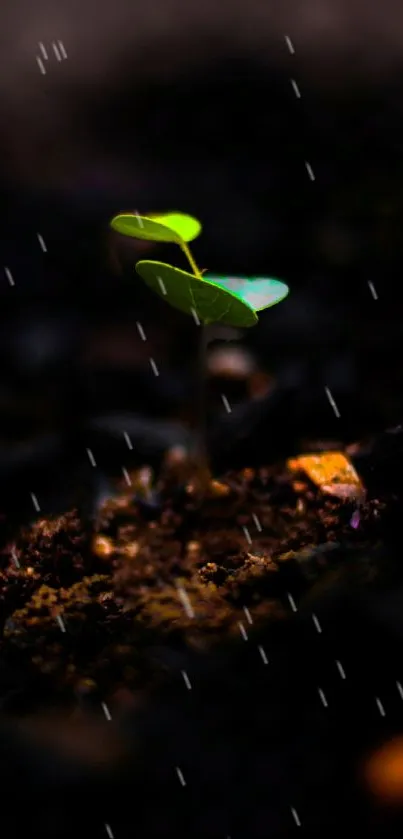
214 111
177 105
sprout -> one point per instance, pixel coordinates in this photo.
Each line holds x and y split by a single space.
187 227
164 227
233 301
207 301
259 292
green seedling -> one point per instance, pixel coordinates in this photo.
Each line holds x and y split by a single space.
209 299
259 292
164 227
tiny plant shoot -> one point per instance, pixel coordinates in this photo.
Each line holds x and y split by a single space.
233 301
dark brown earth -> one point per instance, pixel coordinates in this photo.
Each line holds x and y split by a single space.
83 603
204 666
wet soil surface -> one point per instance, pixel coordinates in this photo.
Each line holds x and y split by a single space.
214 667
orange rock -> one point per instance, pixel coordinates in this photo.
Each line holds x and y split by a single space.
331 471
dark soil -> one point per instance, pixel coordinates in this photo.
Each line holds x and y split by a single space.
215 633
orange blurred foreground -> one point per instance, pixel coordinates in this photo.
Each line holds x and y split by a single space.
383 772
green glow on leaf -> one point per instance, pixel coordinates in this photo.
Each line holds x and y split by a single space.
205 300
141 227
258 292
187 227
166 227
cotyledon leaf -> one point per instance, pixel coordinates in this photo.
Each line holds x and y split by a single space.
166 227
205 300
258 292
187 227
141 227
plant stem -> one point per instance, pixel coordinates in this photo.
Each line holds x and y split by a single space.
201 374
201 379
186 250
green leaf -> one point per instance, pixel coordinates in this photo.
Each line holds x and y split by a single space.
258 292
163 227
207 301
141 227
187 227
